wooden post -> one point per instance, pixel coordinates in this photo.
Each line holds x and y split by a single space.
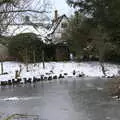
1 67
34 57
16 74
1 60
26 59
43 59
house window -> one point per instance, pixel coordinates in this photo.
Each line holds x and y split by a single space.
64 25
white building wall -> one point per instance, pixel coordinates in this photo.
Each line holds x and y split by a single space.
58 32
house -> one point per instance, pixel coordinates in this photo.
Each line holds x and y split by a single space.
21 28
53 35
58 27
59 24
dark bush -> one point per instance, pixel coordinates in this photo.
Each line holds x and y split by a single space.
26 45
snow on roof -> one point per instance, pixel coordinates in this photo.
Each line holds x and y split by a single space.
13 30
40 31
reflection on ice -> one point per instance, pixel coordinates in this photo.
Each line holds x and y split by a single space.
19 98
11 99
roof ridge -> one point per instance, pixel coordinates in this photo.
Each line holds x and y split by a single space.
56 23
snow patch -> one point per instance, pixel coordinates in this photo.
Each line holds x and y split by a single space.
90 69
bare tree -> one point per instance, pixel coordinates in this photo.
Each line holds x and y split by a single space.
13 12
100 40
25 57
43 59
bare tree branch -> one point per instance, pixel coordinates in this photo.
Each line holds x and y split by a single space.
16 11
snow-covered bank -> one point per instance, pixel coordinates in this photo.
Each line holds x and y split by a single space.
91 69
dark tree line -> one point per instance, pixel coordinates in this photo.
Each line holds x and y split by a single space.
96 29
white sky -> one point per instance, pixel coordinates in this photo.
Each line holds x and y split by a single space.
61 6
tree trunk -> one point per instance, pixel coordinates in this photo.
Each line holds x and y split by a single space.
1 67
34 57
43 59
103 68
101 59
26 59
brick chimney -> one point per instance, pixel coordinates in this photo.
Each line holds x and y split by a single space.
56 15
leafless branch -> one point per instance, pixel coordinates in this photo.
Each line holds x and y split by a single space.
16 11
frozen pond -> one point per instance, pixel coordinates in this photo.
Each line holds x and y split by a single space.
70 99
